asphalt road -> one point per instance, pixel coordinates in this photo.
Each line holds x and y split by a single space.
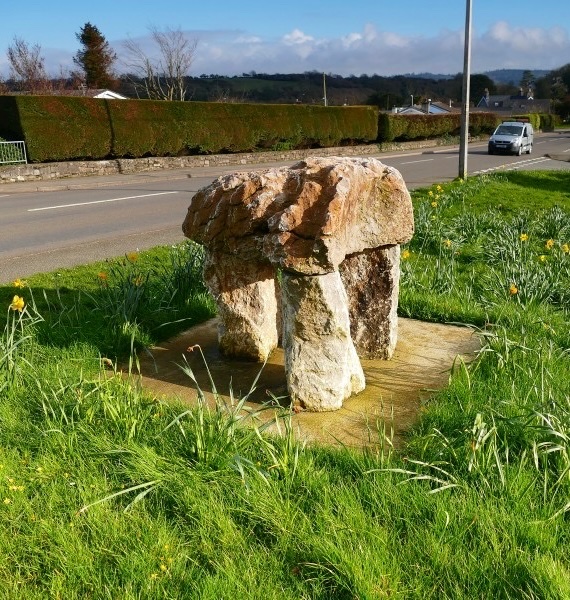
104 217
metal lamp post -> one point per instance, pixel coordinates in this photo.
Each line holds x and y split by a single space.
464 132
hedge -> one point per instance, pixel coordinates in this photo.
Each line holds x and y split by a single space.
66 128
398 127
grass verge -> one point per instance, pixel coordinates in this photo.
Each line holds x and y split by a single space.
108 492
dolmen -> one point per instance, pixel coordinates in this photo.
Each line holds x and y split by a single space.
309 255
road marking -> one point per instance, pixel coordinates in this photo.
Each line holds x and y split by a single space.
411 162
512 166
4 195
98 201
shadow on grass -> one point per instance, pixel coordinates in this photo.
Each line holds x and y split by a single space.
71 316
549 181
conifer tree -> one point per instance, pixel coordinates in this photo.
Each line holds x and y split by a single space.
96 58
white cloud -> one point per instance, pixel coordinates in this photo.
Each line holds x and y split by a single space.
387 53
248 39
297 37
368 51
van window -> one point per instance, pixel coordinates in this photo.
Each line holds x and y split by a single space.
509 130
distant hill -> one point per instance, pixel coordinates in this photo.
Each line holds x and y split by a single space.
508 76
513 76
435 76
310 87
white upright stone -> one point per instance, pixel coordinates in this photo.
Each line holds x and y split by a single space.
247 305
321 364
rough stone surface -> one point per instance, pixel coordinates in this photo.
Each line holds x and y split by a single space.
371 281
305 218
247 305
321 364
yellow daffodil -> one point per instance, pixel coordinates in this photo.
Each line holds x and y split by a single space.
434 204
430 193
19 283
406 254
523 237
102 276
549 244
17 304
447 243
439 188
513 289
132 256
542 258
565 248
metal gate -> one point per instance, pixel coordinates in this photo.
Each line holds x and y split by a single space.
12 152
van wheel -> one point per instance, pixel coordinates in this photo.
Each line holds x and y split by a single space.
529 149
519 151
489 151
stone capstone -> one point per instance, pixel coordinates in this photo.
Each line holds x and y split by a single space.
306 218
332 227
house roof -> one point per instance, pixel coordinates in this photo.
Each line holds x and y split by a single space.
506 103
88 93
435 108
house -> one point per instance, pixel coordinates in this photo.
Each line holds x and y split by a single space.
88 93
510 105
431 108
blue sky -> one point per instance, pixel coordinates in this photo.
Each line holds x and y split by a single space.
344 37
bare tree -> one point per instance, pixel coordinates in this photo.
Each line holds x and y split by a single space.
27 66
162 77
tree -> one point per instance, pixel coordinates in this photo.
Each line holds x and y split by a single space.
96 58
527 80
163 77
479 84
27 66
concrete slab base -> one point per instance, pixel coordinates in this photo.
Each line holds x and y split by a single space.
395 388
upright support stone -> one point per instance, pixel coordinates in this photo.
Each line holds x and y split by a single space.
247 305
321 364
371 281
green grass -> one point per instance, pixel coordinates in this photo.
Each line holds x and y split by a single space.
109 492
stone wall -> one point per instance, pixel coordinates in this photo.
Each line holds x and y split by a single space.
86 168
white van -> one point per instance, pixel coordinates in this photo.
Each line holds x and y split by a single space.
512 137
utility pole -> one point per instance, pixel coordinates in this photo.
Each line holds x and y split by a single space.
464 133
325 89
